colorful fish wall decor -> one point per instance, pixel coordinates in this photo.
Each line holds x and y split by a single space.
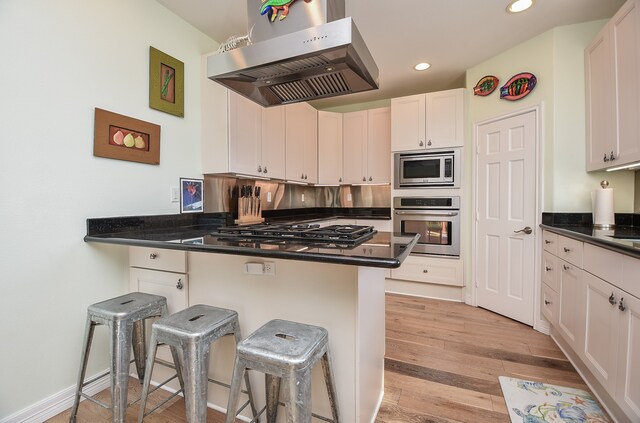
486 85
272 7
518 86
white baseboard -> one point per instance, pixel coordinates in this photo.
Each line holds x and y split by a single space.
55 404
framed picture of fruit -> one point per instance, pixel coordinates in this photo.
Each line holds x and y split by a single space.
166 83
125 138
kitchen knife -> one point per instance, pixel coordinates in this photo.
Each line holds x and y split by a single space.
258 189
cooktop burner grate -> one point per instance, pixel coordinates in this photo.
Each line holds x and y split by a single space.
338 234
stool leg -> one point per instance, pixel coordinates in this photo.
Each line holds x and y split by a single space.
196 373
120 343
298 397
239 370
272 386
153 346
331 386
88 338
138 343
238 338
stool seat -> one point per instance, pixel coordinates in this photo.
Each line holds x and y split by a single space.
192 331
124 316
286 352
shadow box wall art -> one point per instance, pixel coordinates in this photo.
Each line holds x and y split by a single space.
166 83
125 138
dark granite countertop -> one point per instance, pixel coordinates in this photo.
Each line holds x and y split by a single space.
192 233
624 238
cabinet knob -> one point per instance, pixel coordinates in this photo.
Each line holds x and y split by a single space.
612 299
547 302
302 176
429 143
612 157
566 250
364 179
621 306
425 271
259 169
565 267
606 159
264 170
340 180
546 241
370 179
179 285
421 143
548 269
153 256
305 176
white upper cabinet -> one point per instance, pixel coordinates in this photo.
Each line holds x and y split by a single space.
366 146
612 73
330 148
301 143
273 147
245 135
432 120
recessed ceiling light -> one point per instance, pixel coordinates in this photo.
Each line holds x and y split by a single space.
519 6
422 66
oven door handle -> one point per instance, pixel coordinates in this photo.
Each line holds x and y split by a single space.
425 213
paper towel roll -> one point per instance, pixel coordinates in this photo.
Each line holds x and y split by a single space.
602 201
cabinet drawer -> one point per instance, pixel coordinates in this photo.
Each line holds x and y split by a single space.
158 259
550 271
570 250
630 271
550 242
550 305
603 263
430 270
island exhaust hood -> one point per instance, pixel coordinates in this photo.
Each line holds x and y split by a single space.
313 52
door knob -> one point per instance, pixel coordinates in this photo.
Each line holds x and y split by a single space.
527 230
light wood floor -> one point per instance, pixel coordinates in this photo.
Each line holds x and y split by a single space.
442 365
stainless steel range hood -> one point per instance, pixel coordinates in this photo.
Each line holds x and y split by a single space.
306 56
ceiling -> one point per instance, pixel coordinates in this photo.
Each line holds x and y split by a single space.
452 35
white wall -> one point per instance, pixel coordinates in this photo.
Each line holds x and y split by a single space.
59 61
557 59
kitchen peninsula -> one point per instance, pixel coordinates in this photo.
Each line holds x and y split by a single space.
339 287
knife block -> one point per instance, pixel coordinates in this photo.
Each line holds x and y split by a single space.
249 211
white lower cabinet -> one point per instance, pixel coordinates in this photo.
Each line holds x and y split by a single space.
597 315
430 270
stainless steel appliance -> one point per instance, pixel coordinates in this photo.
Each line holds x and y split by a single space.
436 219
420 169
315 52
339 236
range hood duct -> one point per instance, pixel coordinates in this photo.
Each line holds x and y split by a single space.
313 53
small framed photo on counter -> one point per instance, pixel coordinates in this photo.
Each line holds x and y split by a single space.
191 195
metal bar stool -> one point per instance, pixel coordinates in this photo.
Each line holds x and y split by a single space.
124 316
193 330
285 351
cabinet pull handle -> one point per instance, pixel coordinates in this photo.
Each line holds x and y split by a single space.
547 302
565 267
302 176
153 256
548 269
340 180
370 179
612 157
429 143
425 271
259 169
621 306
606 159
179 285
421 144
566 250
264 170
364 179
612 299
546 241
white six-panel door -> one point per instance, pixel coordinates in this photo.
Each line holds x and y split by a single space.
506 211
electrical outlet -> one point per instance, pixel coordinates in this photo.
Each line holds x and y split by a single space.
268 196
303 198
349 197
269 268
174 194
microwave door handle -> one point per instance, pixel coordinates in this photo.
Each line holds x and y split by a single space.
426 213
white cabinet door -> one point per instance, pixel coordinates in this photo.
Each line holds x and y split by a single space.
430 270
272 163
330 148
628 387
354 132
408 123
444 125
301 143
571 314
379 146
173 286
625 44
245 135
602 320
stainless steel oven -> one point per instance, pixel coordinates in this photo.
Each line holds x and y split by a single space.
422 169
436 219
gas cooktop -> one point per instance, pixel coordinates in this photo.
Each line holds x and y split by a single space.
339 235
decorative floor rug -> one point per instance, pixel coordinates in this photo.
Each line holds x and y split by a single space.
537 402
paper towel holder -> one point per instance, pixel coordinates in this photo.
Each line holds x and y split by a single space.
604 184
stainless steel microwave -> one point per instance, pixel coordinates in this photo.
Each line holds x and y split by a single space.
434 168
